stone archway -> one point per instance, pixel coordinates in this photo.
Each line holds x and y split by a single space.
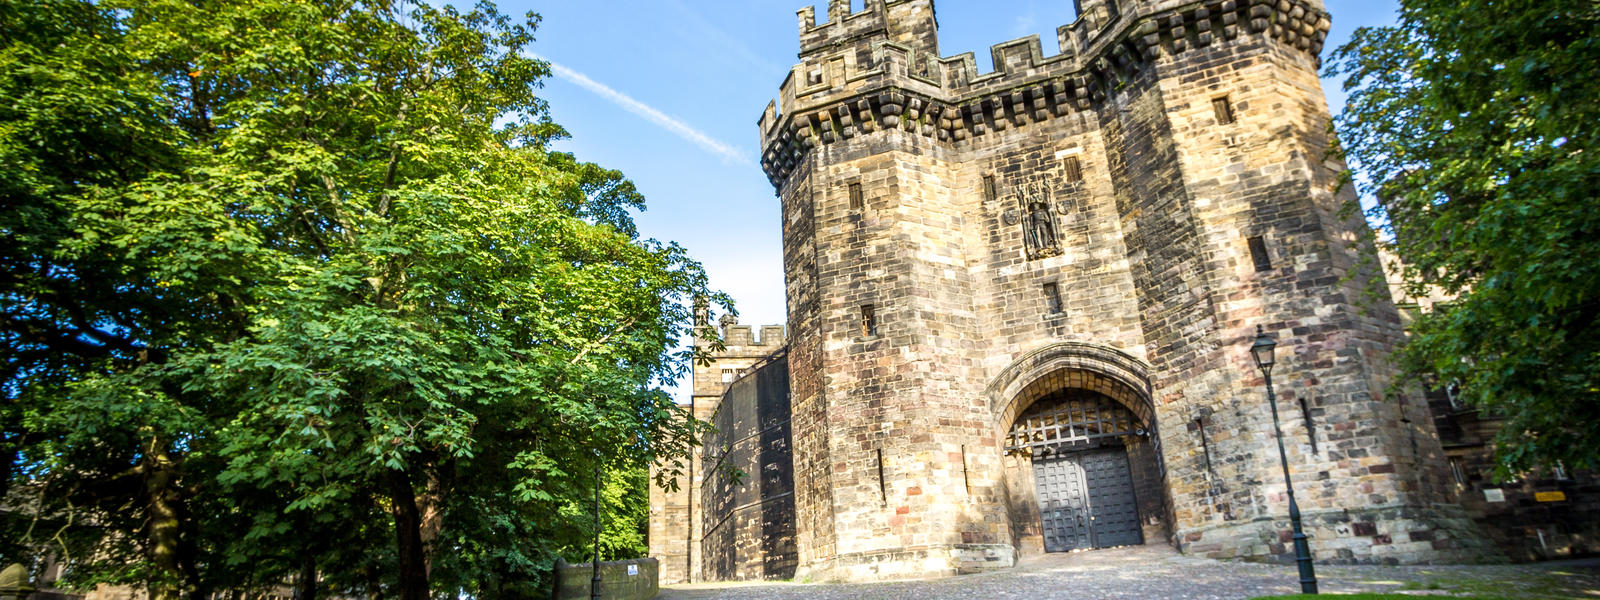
1007 392
1082 458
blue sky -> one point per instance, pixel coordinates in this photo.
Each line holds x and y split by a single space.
668 92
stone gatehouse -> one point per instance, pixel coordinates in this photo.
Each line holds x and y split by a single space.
1020 305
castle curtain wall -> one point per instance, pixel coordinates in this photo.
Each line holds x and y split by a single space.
749 484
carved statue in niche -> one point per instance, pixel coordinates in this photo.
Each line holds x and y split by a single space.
1039 226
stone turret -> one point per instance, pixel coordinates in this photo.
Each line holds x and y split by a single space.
908 23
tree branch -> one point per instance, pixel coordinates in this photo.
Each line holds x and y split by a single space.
607 337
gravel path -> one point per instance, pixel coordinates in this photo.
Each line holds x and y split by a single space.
1157 572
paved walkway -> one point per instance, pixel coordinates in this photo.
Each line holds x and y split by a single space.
1157 572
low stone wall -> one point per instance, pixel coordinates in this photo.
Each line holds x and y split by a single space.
1388 535
1543 515
619 580
890 565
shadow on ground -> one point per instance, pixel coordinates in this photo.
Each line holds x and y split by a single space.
1157 572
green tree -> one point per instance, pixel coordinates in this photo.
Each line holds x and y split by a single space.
1475 125
296 287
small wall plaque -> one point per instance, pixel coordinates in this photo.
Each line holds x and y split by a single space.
1550 496
1494 495
633 570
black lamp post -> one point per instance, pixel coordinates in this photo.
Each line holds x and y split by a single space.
594 582
1262 350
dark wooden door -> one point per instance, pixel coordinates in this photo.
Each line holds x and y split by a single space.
1086 500
1113 514
1063 503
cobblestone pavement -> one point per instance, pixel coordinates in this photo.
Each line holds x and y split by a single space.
1157 572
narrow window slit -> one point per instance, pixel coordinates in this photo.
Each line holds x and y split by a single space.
1258 253
1311 427
990 192
1205 449
1052 297
965 478
856 199
869 320
1072 171
883 490
1224 110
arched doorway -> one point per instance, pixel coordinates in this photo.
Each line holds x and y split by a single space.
1083 481
1081 452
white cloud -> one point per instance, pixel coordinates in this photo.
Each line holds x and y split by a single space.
678 128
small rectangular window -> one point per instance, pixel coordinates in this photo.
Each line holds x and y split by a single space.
856 201
1224 110
1258 254
727 375
1459 473
869 320
1073 172
990 192
1052 297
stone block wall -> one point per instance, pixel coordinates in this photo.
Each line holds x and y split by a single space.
677 516
916 185
1543 515
900 437
635 579
749 485
1265 175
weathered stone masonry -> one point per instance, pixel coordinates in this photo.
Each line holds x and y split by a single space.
1161 140
1018 294
749 485
678 521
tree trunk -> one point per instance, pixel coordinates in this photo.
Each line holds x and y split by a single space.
162 522
408 538
430 506
374 583
10 447
305 585
189 547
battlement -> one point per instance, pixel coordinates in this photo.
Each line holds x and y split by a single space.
862 72
906 22
741 340
742 336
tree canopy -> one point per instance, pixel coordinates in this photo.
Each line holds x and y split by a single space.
1475 125
297 287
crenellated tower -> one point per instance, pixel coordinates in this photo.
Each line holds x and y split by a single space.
1020 302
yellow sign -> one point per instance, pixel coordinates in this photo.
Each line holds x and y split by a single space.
1550 496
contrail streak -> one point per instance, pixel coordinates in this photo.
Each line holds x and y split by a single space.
678 128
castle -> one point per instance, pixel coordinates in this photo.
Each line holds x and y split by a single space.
1020 305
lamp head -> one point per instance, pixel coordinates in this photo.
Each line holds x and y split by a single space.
1262 350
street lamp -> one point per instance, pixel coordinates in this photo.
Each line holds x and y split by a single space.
1262 351
594 582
